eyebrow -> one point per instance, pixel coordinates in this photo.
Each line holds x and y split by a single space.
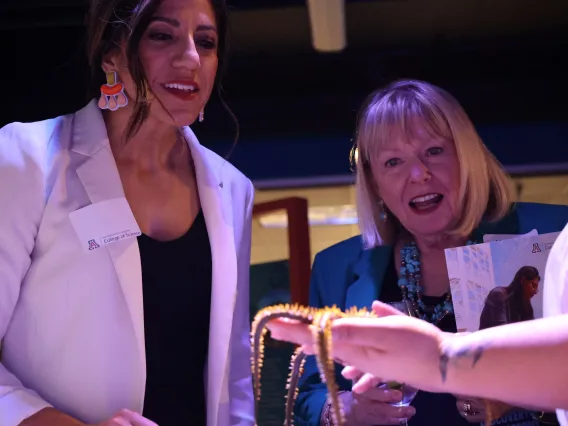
207 28
175 23
172 22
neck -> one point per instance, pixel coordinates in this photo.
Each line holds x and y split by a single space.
429 244
152 147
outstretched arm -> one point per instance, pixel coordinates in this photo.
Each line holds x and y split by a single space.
522 363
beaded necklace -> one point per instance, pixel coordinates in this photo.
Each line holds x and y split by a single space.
409 283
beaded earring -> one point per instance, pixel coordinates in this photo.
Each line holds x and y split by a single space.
383 213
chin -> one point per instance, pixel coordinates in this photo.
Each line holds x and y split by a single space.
429 226
181 119
185 120
174 115
429 230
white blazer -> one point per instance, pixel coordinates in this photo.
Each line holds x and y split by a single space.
71 322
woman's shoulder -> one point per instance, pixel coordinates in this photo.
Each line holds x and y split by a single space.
524 217
497 292
538 209
545 218
350 248
30 139
340 256
228 172
26 161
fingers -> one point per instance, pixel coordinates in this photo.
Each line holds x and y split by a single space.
471 409
366 383
372 332
117 421
301 334
127 417
474 404
351 373
371 412
383 310
473 418
355 330
389 396
290 331
309 349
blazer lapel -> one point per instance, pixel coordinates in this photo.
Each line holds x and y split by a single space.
99 175
217 209
369 272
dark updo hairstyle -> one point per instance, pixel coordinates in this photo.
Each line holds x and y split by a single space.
111 21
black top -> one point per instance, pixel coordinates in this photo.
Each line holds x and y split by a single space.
436 408
496 309
176 278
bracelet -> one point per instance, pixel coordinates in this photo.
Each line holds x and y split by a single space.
327 420
327 414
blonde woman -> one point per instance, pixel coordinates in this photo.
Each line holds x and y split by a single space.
425 182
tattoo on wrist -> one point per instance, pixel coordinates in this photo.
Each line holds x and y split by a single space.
464 356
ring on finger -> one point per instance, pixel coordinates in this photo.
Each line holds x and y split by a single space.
466 409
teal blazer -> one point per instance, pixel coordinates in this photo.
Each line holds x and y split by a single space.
346 275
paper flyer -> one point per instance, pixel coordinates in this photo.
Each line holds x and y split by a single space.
498 282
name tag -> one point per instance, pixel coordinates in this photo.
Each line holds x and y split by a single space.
104 223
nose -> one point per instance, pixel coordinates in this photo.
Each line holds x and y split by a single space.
419 172
188 58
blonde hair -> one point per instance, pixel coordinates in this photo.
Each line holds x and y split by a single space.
486 191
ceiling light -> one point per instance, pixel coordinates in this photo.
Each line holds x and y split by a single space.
327 23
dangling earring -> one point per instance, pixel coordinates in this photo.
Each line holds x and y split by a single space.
383 213
201 116
149 94
112 93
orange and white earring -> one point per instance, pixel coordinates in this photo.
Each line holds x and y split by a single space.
112 93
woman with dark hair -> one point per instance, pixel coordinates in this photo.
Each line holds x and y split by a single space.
124 243
505 305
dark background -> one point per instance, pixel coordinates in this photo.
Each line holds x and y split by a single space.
503 59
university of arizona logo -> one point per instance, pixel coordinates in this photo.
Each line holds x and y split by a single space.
93 245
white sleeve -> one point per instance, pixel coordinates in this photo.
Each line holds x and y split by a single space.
242 400
555 297
21 209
